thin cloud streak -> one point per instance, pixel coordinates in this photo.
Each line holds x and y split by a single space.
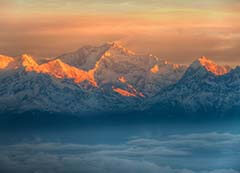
179 32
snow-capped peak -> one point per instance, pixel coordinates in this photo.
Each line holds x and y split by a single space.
5 61
55 68
118 46
210 66
28 62
154 69
87 57
59 69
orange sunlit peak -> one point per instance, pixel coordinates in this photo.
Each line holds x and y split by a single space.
5 61
154 69
213 67
176 66
58 69
27 58
28 62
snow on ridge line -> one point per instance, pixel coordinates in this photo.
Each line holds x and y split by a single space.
211 66
5 61
55 68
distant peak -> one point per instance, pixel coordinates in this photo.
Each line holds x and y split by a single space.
5 57
5 61
154 69
28 61
203 58
211 66
205 61
117 45
26 57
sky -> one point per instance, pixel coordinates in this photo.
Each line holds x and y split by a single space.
176 30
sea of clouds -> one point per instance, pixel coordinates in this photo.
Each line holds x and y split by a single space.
192 153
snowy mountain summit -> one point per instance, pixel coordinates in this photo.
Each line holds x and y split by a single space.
110 78
210 66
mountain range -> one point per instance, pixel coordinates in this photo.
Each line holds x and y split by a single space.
112 78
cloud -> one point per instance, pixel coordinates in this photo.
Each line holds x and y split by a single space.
41 163
177 40
179 31
121 4
218 153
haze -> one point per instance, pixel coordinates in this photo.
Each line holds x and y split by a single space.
179 31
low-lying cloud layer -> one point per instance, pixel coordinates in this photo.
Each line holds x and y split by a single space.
217 153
